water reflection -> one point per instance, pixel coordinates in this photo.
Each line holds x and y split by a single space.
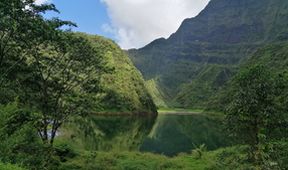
173 134
165 134
108 133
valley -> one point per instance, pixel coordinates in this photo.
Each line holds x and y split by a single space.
192 66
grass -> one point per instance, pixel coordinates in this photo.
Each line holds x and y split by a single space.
148 161
179 111
9 167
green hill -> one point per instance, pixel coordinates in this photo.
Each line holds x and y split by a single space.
195 62
123 88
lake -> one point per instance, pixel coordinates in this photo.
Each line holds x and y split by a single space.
168 134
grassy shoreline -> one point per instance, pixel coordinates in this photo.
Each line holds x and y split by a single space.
198 160
179 111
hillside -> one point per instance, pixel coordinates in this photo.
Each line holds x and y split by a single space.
196 61
274 57
123 88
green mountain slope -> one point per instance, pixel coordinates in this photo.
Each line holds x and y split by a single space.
274 57
157 95
198 93
193 63
124 88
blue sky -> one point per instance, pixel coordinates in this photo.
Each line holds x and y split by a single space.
89 15
130 23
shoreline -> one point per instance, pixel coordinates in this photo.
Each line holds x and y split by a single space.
110 113
177 111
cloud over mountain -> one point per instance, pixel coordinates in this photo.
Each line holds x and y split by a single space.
138 22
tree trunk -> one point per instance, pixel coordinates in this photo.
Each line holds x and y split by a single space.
256 153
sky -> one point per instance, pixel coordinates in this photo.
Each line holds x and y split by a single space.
130 23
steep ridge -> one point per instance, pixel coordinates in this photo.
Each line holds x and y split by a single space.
124 89
206 50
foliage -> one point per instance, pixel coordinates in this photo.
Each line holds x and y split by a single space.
226 158
253 115
124 160
65 75
198 152
19 141
48 75
124 90
57 73
10 167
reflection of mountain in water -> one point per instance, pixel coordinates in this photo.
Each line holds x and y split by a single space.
173 134
108 133
170 135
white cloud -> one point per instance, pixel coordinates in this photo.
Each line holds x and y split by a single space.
39 2
135 23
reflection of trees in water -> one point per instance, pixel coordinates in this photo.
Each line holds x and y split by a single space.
109 132
173 134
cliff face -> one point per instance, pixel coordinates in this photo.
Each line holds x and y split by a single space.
236 21
221 37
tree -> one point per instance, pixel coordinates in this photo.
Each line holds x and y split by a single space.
253 113
19 140
53 72
21 21
21 27
65 80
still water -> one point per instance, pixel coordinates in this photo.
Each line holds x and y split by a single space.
163 134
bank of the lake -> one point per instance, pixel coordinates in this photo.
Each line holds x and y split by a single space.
179 111
189 111
195 160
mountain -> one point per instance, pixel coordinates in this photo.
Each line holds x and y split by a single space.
123 88
195 62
